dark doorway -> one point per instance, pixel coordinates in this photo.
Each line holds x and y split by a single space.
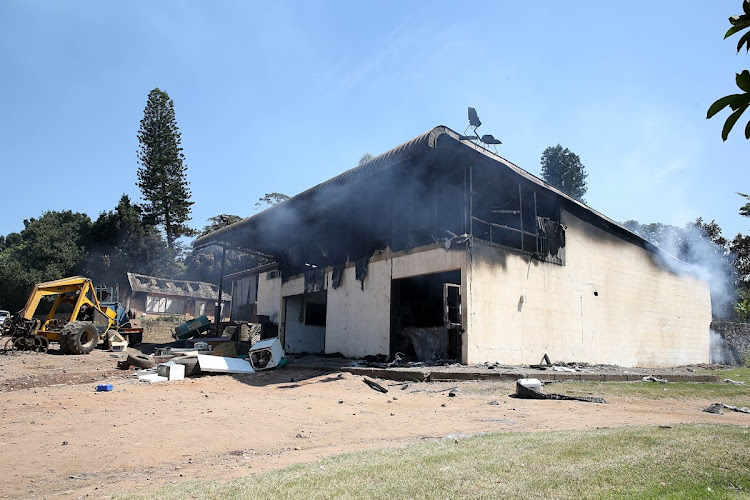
420 303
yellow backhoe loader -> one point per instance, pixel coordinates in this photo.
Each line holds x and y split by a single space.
86 327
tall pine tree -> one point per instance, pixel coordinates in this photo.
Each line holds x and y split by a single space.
162 175
563 169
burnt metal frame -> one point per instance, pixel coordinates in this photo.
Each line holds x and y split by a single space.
471 218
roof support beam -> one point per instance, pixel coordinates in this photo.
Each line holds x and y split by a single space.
217 318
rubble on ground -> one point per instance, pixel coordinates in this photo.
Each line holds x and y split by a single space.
205 355
718 408
532 389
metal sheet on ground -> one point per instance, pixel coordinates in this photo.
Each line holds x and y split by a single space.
219 364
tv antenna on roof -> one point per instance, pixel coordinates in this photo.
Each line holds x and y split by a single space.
474 124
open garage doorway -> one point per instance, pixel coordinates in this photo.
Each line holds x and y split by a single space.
305 322
426 317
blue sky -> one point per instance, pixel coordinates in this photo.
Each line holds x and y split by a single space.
279 96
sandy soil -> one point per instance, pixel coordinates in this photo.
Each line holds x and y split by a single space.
60 438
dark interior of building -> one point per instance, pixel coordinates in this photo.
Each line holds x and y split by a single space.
418 302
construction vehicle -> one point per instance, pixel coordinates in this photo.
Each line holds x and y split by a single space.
90 322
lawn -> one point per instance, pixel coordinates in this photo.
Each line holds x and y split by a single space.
693 461
719 392
737 373
737 395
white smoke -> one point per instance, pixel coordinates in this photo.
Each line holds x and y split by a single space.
687 251
719 349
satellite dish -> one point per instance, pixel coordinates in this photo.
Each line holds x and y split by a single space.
474 118
474 124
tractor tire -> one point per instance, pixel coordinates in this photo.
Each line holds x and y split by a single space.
141 361
79 337
63 346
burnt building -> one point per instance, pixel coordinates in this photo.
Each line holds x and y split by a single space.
440 248
152 297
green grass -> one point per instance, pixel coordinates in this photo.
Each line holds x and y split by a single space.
696 461
737 395
737 373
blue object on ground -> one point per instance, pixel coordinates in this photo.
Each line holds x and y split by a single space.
104 387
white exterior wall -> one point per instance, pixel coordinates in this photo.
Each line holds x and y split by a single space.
643 315
358 322
269 297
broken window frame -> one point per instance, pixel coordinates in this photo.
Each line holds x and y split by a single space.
525 244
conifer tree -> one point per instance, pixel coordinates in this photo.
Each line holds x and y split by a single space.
162 175
563 169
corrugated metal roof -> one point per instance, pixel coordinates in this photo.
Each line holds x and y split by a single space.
181 288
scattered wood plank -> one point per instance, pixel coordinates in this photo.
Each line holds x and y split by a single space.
375 386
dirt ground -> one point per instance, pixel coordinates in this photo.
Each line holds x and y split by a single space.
61 438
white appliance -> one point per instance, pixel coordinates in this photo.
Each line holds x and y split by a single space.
266 354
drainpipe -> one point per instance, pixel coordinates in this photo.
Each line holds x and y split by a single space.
217 313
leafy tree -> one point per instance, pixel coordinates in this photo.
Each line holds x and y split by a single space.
687 244
745 209
271 199
16 282
204 264
740 248
737 102
365 158
48 248
563 169
162 175
711 231
121 242
55 243
655 232
13 239
742 308
219 221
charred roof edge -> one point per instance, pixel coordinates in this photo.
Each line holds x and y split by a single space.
381 162
428 140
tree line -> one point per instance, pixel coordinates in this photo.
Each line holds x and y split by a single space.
65 243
